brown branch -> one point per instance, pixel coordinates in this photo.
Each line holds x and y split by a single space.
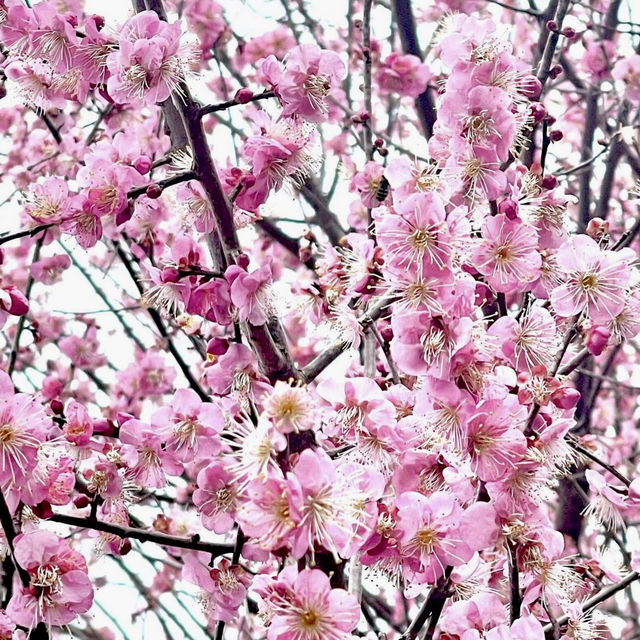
194 543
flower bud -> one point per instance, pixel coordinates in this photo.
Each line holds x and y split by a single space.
530 87
81 501
57 407
217 346
569 32
154 191
596 339
556 135
549 182
124 215
565 397
597 228
551 25
538 111
555 71
169 274
243 95
242 260
142 164
43 510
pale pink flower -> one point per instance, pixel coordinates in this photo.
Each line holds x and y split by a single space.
305 607
251 293
595 282
403 74
59 587
305 80
507 254
149 64
627 72
24 426
216 497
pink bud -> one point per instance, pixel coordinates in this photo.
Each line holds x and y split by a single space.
597 228
555 71
19 303
142 164
549 182
551 25
43 510
530 87
169 274
509 208
596 340
124 215
56 406
556 135
565 397
538 111
244 95
104 428
242 260
81 501
154 191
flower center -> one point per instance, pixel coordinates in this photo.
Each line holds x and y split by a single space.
310 619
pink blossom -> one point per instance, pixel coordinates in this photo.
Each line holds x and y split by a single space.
149 64
596 280
59 589
403 74
250 293
305 607
305 80
507 254
189 426
627 72
216 497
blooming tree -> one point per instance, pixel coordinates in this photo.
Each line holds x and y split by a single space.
320 319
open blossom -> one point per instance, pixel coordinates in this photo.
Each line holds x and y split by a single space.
627 72
416 234
59 587
250 293
305 607
507 254
305 81
283 151
149 64
596 280
189 426
23 427
49 201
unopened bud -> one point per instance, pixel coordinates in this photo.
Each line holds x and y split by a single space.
244 95
154 191
142 164
556 135
242 260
